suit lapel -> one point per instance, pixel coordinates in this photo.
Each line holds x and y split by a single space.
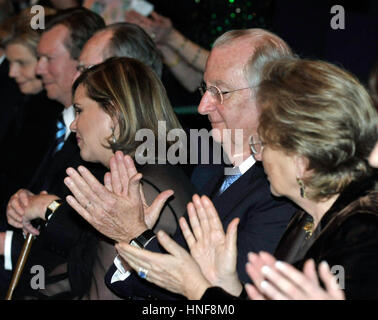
54 163
213 185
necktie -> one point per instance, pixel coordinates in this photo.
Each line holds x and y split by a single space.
229 180
60 134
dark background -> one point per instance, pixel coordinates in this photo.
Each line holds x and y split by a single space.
304 25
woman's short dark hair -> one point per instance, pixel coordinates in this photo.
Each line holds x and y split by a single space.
319 111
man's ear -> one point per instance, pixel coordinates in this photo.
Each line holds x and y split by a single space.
301 166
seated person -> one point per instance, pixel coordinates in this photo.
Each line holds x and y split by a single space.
314 146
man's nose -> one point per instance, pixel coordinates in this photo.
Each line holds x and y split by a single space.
207 104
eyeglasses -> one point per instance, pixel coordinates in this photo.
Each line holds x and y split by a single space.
81 67
216 92
256 146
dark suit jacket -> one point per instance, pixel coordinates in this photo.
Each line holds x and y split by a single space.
67 238
263 220
26 143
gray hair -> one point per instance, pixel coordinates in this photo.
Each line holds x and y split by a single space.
266 47
131 41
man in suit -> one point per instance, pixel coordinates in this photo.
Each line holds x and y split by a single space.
58 50
232 73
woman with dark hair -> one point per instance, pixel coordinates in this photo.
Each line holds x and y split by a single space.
317 129
114 101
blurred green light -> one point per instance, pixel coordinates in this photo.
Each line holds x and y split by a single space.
232 15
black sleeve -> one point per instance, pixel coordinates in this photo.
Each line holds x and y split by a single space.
218 294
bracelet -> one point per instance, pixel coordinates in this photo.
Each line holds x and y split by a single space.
143 240
196 56
174 63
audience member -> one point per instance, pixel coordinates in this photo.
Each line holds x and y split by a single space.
314 146
68 258
125 40
26 128
108 92
120 40
263 219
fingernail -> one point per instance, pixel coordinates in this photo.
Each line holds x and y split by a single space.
264 284
251 254
279 265
324 263
266 270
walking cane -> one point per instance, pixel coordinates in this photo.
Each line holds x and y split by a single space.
20 265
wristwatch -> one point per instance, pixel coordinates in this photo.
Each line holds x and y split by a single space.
143 240
51 208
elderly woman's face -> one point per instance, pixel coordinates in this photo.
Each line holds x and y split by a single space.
373 159
22 65
281 171
93 127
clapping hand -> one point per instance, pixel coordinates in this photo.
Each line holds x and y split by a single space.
116 209
278 280
213 250
175 271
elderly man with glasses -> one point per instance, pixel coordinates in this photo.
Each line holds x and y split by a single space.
232 74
